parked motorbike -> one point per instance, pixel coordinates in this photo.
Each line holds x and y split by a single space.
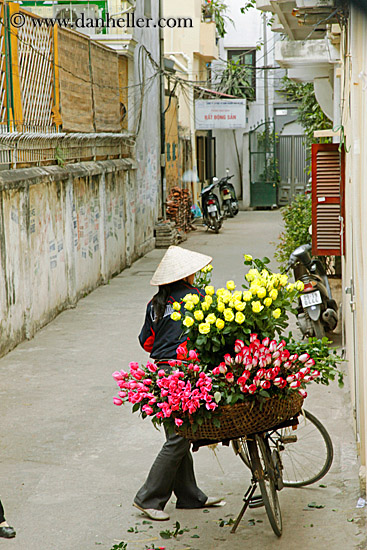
317 310
228 195
210 207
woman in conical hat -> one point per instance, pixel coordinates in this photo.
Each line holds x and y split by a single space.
172 470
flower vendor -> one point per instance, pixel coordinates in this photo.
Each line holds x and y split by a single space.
172 470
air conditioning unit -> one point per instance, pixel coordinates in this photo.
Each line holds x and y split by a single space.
83 12
315 4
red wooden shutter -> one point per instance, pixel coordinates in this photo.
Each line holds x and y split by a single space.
328 174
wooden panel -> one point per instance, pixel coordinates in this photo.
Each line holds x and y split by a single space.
123 66
104 65
171 125
76 103
328 174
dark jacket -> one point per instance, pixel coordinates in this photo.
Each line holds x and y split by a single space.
162 338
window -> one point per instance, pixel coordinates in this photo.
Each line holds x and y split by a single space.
248 59
328 182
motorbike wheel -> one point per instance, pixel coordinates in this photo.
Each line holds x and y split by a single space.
216 224
230 210
235 209
318 329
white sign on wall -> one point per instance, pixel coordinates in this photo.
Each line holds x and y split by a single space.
222 114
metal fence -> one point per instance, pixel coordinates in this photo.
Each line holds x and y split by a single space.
30 121
21 149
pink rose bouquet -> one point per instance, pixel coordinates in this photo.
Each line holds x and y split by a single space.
188 392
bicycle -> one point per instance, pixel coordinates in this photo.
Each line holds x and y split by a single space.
275 462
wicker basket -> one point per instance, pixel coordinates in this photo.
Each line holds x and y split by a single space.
246 418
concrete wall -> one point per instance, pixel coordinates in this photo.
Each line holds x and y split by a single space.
148 124
63 232
354 119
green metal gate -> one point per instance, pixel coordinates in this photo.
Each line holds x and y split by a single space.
264 175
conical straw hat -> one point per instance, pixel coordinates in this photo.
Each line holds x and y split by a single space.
178 263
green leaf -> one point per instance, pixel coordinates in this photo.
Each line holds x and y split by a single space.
136 407
166 534
217 396
264 393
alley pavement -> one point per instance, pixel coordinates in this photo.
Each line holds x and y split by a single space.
71 462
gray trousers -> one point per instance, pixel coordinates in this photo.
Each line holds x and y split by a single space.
172 471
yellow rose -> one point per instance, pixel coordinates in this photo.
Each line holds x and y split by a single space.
176 316
211 318
220 291
299 286
189 306
220 324
261 293
204 328
265 273
231 303
254 289
237 295
208 300
290 287
268 302
257 307
209 290
199 315
205 306
283 280
188 322
195 299
247 296
230 285
273 294
249 277
276 280
228 315
276 313
248 257
207 269
176 306
187 298
239 318
226 297
239 306
221 307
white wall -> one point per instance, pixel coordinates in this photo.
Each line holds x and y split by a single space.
148 144
63 231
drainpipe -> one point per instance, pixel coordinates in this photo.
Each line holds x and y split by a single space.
162 108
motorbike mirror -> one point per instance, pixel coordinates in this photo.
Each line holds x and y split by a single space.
227 170
310 229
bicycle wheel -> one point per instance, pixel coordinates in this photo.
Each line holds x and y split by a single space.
262 468
306 453
308 458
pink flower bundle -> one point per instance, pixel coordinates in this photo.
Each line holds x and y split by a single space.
188 392
167 396
265 368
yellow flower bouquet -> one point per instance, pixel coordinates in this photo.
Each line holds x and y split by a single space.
214 323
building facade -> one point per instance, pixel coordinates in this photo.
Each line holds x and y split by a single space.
328 45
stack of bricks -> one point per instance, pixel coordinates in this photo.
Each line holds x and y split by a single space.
179 204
